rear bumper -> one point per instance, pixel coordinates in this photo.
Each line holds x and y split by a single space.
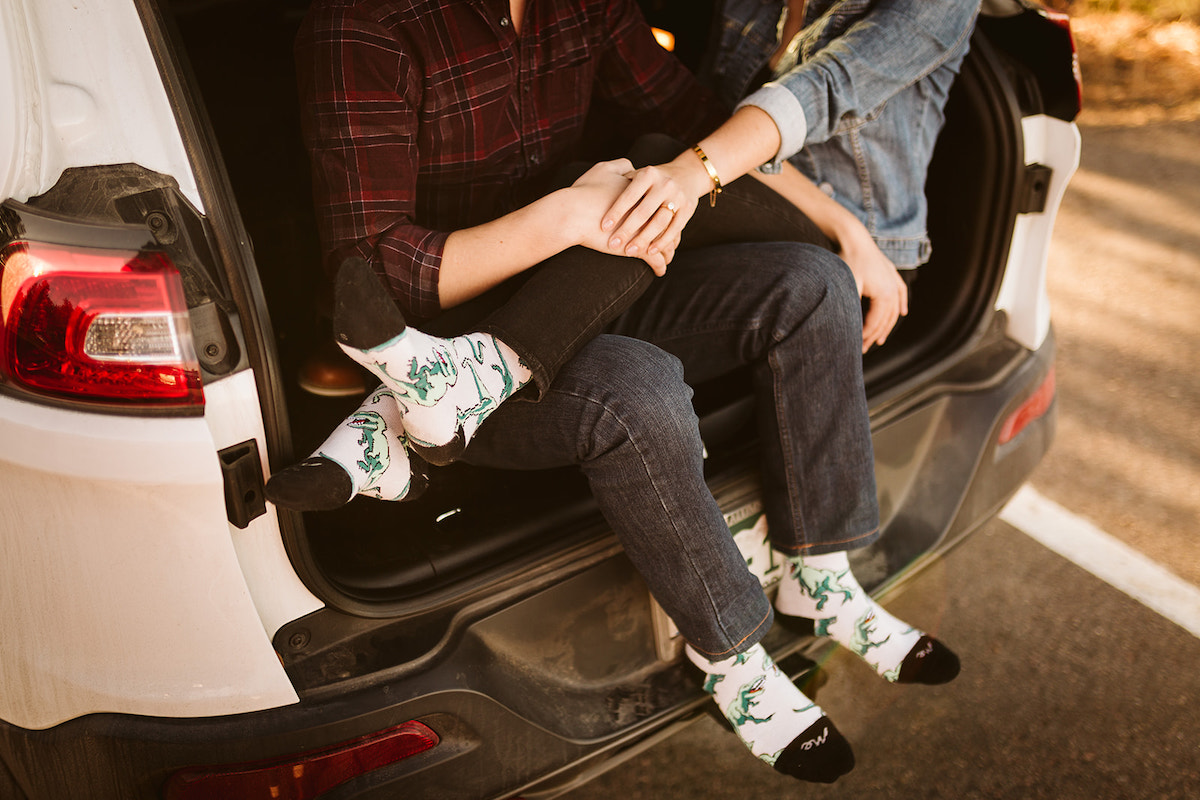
535 693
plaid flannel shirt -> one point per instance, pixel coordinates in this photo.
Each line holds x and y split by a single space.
427 116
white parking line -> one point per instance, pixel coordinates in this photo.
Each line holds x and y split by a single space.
1114 562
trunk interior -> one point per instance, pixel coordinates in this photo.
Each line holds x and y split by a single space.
374 558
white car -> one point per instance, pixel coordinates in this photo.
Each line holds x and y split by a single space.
166 633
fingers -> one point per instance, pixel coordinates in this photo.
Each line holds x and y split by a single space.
661 254
620 166
646 212
884 312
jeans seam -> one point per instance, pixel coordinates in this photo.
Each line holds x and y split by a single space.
725 653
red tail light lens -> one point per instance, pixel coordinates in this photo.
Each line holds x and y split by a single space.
307 776
1063 21
98 325
1033 408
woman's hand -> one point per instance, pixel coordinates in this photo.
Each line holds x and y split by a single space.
879 281
651 235
648 217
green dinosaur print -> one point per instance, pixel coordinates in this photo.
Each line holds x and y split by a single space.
486 402
425 382
747 697
864 629
710 683
821 626
822 584
375 454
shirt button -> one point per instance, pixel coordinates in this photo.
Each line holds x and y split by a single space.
504 22
535 159
827 188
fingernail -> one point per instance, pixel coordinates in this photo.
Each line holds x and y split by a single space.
606 225
615 242
631 250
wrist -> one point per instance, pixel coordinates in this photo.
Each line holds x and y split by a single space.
570 216
691 175
711 171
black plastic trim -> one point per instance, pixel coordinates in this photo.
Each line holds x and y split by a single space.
234 254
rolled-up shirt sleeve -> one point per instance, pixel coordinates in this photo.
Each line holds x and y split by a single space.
359 93
896 44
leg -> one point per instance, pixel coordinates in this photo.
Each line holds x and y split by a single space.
794 318
790 312
621 410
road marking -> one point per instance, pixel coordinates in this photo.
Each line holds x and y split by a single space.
1109 559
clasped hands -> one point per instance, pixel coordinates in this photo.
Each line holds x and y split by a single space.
643 213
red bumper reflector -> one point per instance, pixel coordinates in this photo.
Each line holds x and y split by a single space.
1033 408
305 776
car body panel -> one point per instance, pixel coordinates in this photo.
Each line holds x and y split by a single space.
1023 293
85 91
123 591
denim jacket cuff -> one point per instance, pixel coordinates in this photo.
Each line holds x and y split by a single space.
787 113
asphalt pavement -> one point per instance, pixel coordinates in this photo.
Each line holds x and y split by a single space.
1071 689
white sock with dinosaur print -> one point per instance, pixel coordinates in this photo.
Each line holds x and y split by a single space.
445 387
365 454
370 445
774 719
823 589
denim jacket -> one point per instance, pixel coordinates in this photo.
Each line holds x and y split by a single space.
858 99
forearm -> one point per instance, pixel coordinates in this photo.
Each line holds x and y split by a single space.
745 141
834 220
479 258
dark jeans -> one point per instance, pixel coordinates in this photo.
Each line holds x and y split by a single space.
621 410
550 311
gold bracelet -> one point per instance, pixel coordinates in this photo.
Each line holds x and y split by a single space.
712 173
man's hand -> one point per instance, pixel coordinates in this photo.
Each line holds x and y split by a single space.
879 281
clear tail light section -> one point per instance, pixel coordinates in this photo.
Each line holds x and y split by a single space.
97 325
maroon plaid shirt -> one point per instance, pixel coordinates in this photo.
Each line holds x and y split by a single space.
427 116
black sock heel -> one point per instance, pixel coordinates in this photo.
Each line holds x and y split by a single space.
315 484
820 755
441 454
364 314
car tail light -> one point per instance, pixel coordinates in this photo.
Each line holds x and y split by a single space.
97 325
306 776
1063 21
1032 409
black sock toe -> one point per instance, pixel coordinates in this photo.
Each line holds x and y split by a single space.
929 662
364 314
315 484
820 755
